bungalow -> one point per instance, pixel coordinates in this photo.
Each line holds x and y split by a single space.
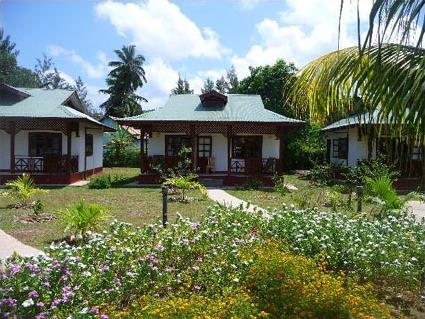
112 122
46 134
354 139
232 137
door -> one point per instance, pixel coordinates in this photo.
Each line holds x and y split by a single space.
204 153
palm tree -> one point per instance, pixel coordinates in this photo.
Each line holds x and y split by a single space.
384 74
123 80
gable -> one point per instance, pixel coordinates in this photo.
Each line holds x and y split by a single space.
10 95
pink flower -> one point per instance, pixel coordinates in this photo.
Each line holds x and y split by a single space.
40 304
104 316
199 259
33 294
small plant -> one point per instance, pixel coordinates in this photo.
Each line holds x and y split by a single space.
252 184
184 184
82 217
100 182
279 185
22 189
38 207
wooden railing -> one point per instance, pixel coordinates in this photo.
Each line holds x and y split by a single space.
46 164
254 165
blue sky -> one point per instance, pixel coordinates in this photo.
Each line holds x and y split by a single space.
196 38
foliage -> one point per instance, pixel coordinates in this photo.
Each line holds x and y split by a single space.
215 258
82 217
272 83
185 183
48 75
304 147
38 207
289 286
22 189
183 87
207 86
123 81
81 90
326 174
279 184
100 182
10 72
183 167
252 184
233 304
221 85
119 148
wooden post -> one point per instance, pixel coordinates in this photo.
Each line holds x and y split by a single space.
281 148
229 150
142 151
12 132
69 151
194 145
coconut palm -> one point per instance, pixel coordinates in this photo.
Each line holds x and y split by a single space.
123 80
384 74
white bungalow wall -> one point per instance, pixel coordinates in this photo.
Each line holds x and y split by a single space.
357 148
156 146
77 147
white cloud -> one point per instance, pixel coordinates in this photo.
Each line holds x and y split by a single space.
94 71
304 32
159 28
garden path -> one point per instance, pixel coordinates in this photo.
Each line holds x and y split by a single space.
418 208
9 245
224 198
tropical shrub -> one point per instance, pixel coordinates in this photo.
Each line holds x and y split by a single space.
326 174
290 286
279 184
184 184
252 184
100 182
82 217
22 189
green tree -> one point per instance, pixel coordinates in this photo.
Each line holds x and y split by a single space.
208 86
123 80
273 83
222 85
81 90
48 75
182 87
232 80
10 72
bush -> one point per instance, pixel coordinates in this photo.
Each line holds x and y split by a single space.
326 174
100 182
233 304
279 185
184 184
22 189
289 286
252 184
81 218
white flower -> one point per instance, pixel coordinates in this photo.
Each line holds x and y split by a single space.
27 303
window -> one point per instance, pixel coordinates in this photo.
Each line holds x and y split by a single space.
246 146
44 143
340 148
204 146
89 144
173 144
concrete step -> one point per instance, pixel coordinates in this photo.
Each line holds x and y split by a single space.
211 182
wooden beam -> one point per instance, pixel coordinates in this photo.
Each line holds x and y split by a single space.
69 150
194 145
12 132
229 150
143 167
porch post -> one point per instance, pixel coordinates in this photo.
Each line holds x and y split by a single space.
142 151
69 150
12 132
194 142
280 165
229 150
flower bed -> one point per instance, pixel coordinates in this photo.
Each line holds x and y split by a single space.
127 267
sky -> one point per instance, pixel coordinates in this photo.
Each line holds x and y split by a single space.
194 38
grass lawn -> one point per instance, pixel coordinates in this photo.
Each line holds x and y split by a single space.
327 198
137 205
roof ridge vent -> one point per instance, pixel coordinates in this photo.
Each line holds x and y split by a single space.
213 98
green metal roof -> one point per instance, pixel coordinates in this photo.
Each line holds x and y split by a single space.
358 119
44 103
188 107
